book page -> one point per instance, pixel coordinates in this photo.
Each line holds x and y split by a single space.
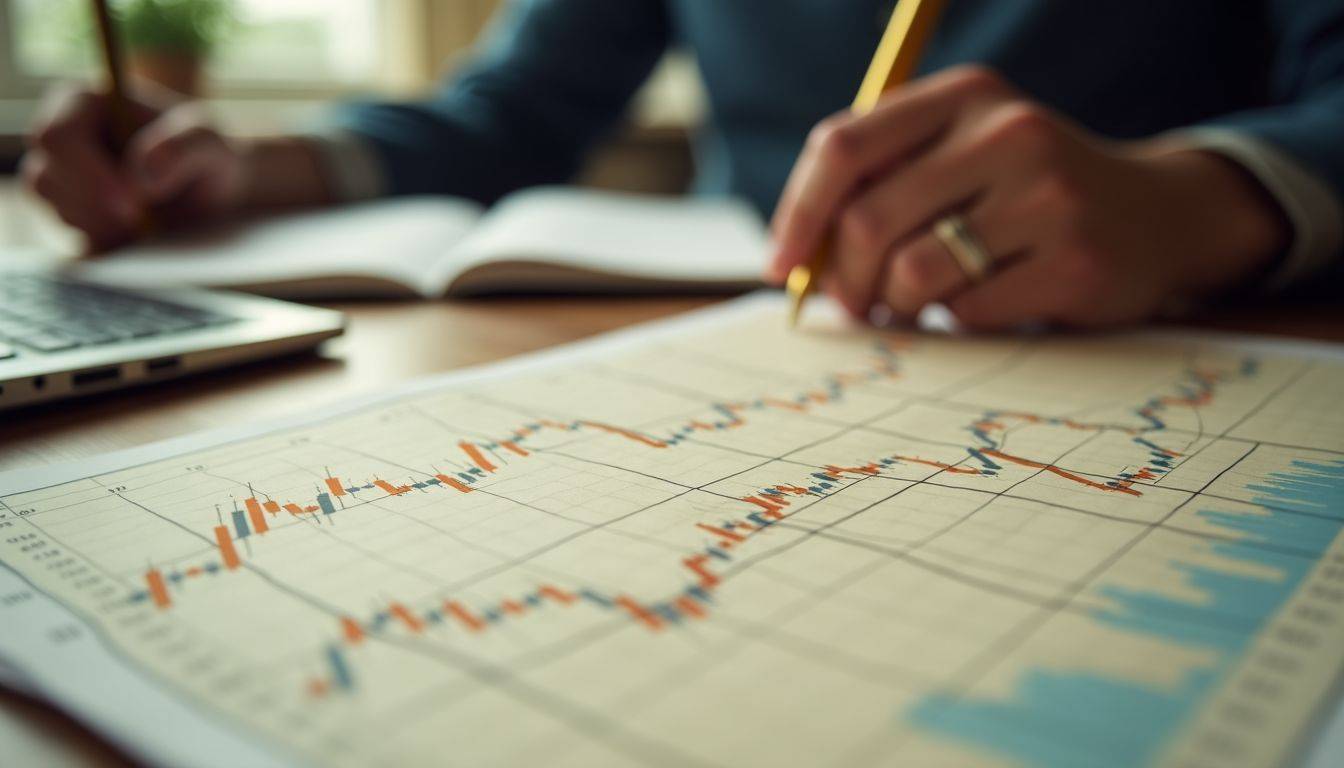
672 240
346 250
714 541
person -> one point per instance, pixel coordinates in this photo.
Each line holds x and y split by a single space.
1114 159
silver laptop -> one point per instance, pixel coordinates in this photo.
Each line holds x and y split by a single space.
62 337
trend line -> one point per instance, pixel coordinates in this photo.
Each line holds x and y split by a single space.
1062 473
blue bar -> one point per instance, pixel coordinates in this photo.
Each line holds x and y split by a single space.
340 673
324 501
596 598
240 524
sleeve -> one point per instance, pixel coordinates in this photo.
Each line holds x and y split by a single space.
1295 144
548 80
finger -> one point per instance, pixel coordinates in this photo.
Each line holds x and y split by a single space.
845 149
173 153
923 270
994 145
997 146
72 201
919 273
75 201
69 134
1023 292
106 189
894 209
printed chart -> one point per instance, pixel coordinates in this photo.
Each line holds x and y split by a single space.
718 542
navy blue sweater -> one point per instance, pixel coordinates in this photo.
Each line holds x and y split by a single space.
552 76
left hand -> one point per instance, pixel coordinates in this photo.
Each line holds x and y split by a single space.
1083 231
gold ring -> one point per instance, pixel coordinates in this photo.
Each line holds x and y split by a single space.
965 247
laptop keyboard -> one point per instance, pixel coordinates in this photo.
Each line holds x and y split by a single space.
42 313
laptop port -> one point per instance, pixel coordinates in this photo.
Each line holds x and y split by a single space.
164 364
96 376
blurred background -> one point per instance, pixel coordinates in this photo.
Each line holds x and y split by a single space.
267 65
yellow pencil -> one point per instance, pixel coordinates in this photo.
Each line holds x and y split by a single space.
909 29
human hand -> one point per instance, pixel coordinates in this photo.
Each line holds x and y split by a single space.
175 165
1082 231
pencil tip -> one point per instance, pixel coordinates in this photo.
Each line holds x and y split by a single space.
797 286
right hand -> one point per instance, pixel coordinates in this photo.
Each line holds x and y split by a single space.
175 165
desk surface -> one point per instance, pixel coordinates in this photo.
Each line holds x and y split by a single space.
372 355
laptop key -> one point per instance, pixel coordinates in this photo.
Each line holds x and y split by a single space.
89 335
6 351
53 315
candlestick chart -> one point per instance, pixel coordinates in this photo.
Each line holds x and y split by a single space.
726 543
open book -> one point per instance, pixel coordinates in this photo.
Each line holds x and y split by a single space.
540 240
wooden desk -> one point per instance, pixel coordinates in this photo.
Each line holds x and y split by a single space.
373 354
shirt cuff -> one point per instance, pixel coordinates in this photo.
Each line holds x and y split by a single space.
349 164
1312 208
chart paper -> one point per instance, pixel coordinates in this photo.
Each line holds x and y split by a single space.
714 541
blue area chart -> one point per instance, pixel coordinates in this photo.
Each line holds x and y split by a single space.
1114 722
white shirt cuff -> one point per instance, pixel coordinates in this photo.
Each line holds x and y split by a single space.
1312 207
350 165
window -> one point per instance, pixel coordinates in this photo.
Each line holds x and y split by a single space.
269 44
281 59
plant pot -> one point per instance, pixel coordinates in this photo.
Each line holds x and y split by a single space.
180 72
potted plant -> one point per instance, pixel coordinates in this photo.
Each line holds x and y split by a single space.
168 41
